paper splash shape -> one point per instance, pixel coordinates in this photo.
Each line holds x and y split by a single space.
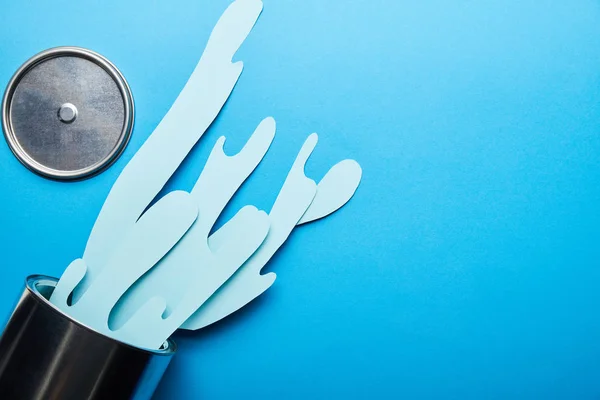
193 111
148 271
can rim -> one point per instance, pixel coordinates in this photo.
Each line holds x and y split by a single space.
128 104
32 281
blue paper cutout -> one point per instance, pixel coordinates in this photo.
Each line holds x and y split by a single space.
70 278
295 197
333 191
204 279
193 260
157 231
145 274
196 107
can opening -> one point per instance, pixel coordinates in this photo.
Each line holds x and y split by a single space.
44 287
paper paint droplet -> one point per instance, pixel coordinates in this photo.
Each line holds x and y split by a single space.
335 189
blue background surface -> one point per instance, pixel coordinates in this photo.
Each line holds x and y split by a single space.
468 263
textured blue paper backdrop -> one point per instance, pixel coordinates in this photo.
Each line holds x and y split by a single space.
468 263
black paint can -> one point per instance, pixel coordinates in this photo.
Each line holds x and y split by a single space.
46 355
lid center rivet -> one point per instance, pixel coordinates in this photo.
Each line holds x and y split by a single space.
67 113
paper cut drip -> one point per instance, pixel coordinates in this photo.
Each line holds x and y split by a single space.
147 272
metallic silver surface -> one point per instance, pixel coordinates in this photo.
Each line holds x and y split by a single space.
44 354
67 113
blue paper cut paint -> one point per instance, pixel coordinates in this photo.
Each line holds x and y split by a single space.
144 274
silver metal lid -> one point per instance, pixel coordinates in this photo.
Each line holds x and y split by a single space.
67 113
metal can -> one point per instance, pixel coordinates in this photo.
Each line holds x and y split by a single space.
67 113
45 354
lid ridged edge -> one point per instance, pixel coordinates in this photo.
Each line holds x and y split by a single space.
128 104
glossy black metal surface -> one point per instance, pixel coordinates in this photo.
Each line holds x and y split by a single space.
44 354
